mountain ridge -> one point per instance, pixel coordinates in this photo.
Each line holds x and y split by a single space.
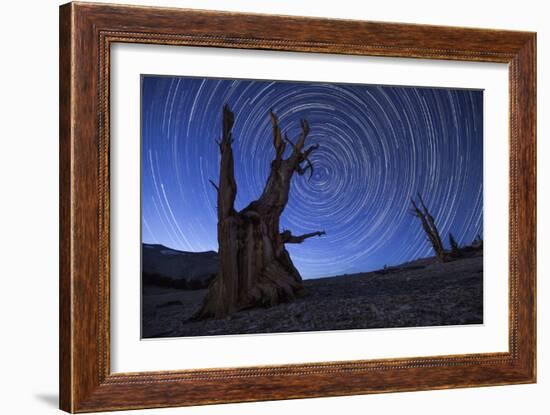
164 266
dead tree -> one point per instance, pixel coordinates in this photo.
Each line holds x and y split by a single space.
255 267
456 252
429 227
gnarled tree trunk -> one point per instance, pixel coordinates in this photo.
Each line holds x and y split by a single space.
255 267
428 224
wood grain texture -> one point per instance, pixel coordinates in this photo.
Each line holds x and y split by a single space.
65 138
86 33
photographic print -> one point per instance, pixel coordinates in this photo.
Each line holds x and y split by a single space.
282 206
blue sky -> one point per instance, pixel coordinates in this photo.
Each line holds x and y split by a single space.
379 146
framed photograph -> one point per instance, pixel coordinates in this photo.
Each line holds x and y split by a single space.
261 207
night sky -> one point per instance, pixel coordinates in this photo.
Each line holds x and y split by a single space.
379 146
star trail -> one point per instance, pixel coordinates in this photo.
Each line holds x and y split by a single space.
379 146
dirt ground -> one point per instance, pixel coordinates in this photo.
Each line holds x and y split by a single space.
421 293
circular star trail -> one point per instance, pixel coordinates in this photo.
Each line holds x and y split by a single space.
378 147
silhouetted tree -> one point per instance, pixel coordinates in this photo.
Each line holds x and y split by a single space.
455 249
255 267
429 227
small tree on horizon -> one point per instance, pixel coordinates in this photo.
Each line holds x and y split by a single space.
429 227
455 249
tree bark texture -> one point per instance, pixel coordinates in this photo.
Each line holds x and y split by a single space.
255 267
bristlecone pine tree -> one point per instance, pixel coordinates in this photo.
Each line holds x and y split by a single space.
428 224
255 267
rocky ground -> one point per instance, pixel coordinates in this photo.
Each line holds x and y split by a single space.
420 293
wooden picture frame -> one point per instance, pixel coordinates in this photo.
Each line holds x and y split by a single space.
86 33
